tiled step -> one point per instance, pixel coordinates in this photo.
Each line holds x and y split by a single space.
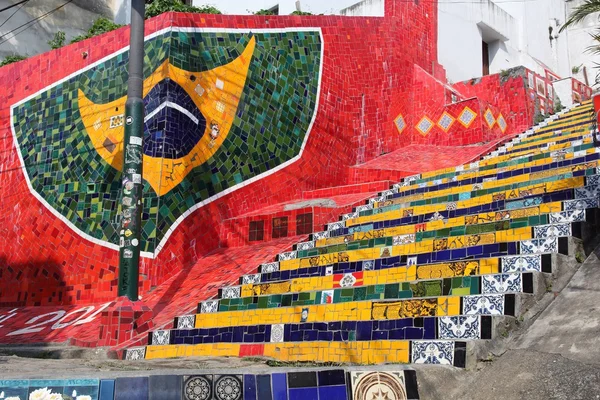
463 327
349 287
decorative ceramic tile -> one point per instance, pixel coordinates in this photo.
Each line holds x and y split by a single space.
400 124
327 296
346 217
251 279
377 385
228 387
231 292
306 245
411 261
348 280
161 337
135 353
586 192
198 387
451 206
304 314
289 255
424 126
277 333
186 322
334 226
489 118
535 246
501 283
209 306
502 123
436 217
432 352
492 304
554 230
269 267
376 200
477 186
567 216
404 239
364 207
446 121
531 263
368 265
329 270
459 327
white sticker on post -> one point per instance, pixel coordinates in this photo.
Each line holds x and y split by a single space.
135 140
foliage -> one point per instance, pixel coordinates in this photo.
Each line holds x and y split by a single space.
264 12
58 40
12 59
158 7
100 26
576 69
588 7
539 118
301 13
557 105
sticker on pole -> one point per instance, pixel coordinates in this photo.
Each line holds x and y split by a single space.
129 120
135 140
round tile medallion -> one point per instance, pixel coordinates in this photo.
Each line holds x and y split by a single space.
228 388
197 388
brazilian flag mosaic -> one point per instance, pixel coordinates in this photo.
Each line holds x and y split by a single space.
221 108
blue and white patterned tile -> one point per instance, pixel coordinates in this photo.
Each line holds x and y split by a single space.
387 193
368 265
377 199
209 306
523 263
277 333
536 246
267 268
334 226
459 327
135 353
590 191
580 204
593 180
288 255
231 292
186 322
501 283
432 352
552 230
321 235
306 245
251 279
567 216
346 217
161 337
489 304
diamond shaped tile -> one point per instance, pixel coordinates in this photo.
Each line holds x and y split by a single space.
424 126
400 124
446 121
467 117
489 118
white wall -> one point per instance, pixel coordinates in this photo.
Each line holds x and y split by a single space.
579 40
564 90
462 26
366 8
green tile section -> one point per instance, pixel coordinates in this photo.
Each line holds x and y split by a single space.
275 111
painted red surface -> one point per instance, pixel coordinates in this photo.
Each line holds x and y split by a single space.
374 69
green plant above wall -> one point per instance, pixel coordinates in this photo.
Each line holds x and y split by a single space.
100 26
12 59
158 7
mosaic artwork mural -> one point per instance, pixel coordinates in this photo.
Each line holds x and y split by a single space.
221 109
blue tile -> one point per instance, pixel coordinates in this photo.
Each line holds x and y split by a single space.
331 377
131 388
279 386
333 392
78 390
107 389
263 383
14 388
165 387
250 387
304 393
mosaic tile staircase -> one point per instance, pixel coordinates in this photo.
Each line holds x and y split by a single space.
417 273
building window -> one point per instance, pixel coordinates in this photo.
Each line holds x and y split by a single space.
280 227
304 224
257 231
485 53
